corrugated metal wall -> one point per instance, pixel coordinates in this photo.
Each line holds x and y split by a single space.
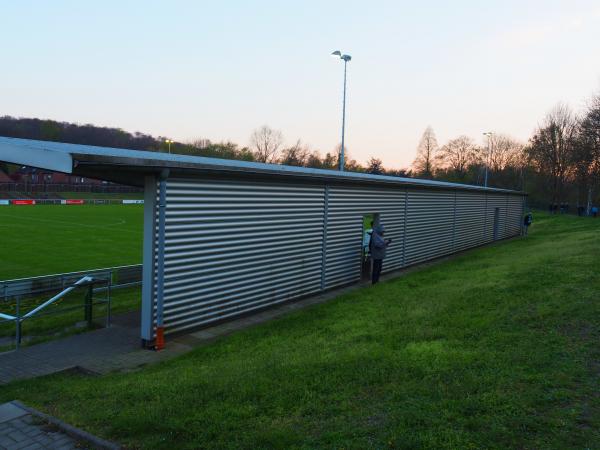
232 247
495 201
346 208
470 223
429 224
235 246
515 214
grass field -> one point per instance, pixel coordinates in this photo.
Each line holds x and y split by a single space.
46 239
497 348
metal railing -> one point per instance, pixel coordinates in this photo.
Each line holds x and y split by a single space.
120 277
85 281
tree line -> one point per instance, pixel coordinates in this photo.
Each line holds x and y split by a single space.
266 144
559 165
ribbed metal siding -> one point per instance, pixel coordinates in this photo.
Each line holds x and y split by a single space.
470 214
514 215
429 224
235 246
346 209
495 201
232 247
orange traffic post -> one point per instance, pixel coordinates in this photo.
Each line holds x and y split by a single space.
160 339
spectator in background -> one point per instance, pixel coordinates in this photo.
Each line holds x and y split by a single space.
367 240
366 268
594 211
378 247
526 222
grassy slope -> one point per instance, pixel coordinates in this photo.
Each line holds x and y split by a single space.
495 349
45 239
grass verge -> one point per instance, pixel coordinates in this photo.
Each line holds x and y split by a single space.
494 349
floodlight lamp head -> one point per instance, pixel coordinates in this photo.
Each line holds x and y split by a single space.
346 57
337 53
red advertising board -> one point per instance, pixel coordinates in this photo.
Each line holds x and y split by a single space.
74 202
23 202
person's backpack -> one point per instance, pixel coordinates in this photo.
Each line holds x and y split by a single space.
370 242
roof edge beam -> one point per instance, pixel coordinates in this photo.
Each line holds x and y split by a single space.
24 155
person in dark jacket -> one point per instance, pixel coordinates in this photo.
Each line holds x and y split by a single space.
526 222
378 247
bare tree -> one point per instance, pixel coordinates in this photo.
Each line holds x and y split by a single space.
551 149
201 143
314 160
347 158
351 165
458 155
296 155
423 164
266 143
586 159
504 152
375 166
330 161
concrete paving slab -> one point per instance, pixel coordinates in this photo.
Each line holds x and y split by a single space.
35 430
9 411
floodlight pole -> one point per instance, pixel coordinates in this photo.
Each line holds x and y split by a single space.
343 118
345 58
487 158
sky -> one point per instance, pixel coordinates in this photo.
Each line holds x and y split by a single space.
218 70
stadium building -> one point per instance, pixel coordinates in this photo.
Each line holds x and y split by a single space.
225 238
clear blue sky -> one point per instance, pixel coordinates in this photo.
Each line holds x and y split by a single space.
217 70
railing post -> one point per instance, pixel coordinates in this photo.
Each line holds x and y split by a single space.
18 324
88 304
108 312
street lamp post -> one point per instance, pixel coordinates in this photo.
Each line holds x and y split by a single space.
169 142
489 135
344 58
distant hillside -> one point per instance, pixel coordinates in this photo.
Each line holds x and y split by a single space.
298 154
51 130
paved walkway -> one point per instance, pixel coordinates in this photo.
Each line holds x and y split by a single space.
118 348
23 428
98 351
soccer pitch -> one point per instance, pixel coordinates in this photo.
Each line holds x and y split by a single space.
47 239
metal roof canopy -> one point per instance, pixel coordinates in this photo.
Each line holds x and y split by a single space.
131 166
